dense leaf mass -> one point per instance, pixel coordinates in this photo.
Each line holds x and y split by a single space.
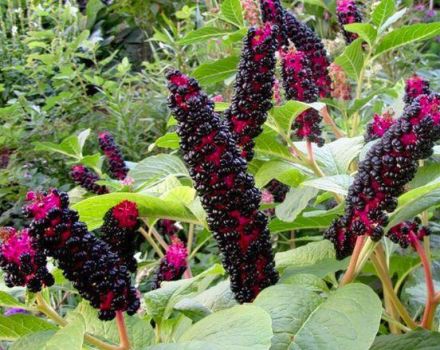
348 13
228 193
120 230
87 179
23 263
253 88
117 167
407 231
389 165
87 261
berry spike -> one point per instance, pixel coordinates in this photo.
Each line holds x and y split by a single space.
120 230
389 165
253 88
379 126
172 265
87 178
86 260
226 189
406 231
23 264
272 12
415 86
117 167
348 13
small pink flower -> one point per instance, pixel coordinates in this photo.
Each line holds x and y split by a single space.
218 98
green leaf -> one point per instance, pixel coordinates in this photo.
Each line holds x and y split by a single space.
33 341
419 339
365 30
349 319
7 300
289 307
155 169
382 12
82 137
93 161
268 144
70 337
216 71
406 35
283 116
232 12
19 325
92 9
306 281
302 222
297 199
169 140
337 183
352 59
69 147
241 327
391 20
93 209
286 172
202 34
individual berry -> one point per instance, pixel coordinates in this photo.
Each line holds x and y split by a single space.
117 167
87 179
278 190
406 231
22 262
253 88
388 166
227 191
94 269
172 265
348 13
379 126
119 231
340 87
415 86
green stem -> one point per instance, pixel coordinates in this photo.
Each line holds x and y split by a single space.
150 240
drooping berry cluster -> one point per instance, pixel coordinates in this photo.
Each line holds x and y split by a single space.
405 232
278 190
120 230
272 12
227 192
117 167
348 13
340 87
298 84
253 88
415 86
379 126
87 179
389 165
22 262
172 265
87 261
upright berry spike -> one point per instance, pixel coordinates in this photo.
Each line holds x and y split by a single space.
379 126
253 88
340 87
273 13
389 165
87 179
298 84
404 233
348 13
227 191
119 231
117 167
250 12
22 262
278 190
87 261
172 265
415 86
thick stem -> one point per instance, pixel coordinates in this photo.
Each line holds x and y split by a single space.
150 240
311 157
350 273
122 330
329 121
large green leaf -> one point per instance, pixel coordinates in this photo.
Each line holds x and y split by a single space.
169 140
202 34
69 147
382 12
420 340
268 144
93 209
352 59
16 326
337 183
70 337
33 341
365 30
289 307
7 300
349 319
232 12
283 116
302 222
407 34
295 202
286 172
216 71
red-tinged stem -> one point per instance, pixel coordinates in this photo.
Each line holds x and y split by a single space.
312 160
350 273
431 302
329 121
122 330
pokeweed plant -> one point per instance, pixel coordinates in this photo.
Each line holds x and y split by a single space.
343 153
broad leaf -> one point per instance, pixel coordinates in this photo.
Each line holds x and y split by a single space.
202 34
393 19
19 325
352 59
33 341
337 183
295 202
169 140
302 222
232 12
268 144
283 116
382 12
286 172
216 71
7 300
365 30
70 337
420 340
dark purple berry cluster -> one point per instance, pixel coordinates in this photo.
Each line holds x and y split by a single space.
253 88
348 13
22 262
120 230
278 190
87 179
95 271
167 227
389 165
117 167
406 232
172 265
379 126
272 12
415 86
226 189
298 84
